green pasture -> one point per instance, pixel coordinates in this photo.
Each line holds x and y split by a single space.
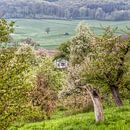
115 119
35 29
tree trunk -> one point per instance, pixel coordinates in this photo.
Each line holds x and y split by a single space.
116 95
98 108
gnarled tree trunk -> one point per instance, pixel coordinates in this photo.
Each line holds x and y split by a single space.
116 95
98 108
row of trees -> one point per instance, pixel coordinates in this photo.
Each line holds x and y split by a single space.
105 10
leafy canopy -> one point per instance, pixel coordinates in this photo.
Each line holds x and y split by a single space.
5 30
15 82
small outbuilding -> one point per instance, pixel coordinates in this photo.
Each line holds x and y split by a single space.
61 63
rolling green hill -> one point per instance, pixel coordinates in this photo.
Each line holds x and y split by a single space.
35 29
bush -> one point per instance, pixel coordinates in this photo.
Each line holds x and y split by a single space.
77 103
48 81
15 75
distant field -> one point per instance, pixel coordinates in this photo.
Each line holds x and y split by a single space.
35 29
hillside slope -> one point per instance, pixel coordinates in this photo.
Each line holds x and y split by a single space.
115 119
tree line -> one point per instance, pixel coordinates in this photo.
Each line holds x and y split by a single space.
99 10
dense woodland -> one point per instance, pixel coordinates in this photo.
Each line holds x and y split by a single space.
66 9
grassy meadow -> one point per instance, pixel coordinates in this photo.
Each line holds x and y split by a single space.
115 119
35 29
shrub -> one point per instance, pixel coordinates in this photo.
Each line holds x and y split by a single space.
48 81
15 74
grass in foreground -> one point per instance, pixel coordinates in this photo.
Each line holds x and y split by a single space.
115 119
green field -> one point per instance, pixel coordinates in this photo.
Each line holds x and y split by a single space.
115 119
35 29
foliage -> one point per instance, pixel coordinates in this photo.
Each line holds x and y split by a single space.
15 75
30 42
5 30
47 30
80 47
79 101
80 44
106 62
64 49
48 82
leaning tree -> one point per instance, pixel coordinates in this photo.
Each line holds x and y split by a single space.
80 48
